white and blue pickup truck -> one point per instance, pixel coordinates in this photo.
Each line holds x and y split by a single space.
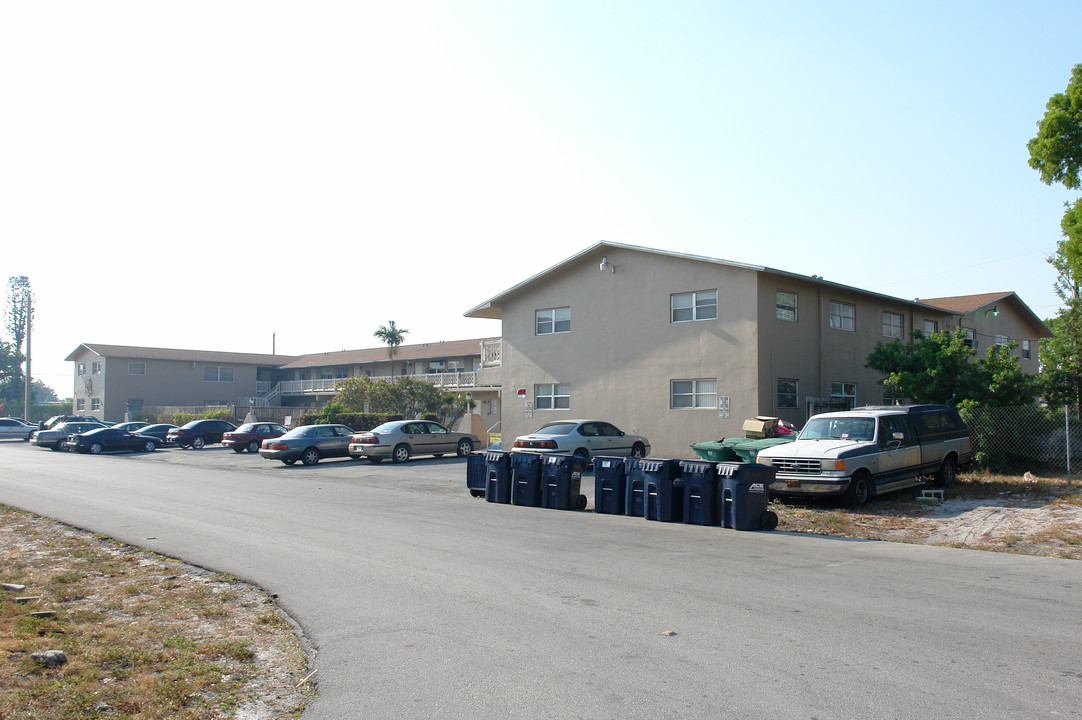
868 451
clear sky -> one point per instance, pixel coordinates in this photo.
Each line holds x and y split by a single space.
208 175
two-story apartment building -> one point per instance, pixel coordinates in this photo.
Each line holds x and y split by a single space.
683 348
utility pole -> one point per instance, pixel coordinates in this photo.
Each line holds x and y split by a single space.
26 396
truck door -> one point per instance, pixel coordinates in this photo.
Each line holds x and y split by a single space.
899 453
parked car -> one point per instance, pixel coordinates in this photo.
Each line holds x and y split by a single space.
250 436
57 419
15 428
585 438
402 439
55 437
131 426
198 433
109 439
158 430
309 444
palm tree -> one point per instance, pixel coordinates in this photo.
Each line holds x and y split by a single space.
392 336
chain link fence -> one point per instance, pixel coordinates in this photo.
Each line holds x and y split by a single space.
1015 440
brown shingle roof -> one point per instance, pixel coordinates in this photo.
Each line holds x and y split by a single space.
151 353
420 351
963 304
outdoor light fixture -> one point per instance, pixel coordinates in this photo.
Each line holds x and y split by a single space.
606 265
994 312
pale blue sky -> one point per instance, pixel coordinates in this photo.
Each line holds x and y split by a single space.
349 163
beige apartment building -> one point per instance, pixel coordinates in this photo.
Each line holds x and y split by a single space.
684 348
115 381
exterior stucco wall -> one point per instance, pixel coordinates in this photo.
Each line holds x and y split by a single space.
623 350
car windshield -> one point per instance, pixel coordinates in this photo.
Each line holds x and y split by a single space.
842 427
557 428
387 427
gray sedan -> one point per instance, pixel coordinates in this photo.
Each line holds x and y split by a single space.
585 438
55 437
401 439
14 428
309 444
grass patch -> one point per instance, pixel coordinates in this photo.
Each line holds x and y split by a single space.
145 637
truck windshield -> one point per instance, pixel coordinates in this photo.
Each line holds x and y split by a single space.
859 429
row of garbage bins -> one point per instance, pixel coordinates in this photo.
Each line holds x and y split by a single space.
727 494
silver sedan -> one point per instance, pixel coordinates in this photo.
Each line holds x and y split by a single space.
402 439
582 437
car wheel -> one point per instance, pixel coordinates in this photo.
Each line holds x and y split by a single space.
55 447
253 446
310 456
198 442
465 447
582 453
95 449
858 491
947 474
150 446
638 450
373 459
401 453
288 462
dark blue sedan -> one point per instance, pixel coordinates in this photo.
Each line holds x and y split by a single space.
110 439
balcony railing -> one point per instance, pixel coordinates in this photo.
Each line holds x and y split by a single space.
491 352
322 386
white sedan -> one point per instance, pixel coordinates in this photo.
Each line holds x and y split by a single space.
585 438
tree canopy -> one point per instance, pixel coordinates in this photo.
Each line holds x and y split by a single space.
1056 151
404 396
392 336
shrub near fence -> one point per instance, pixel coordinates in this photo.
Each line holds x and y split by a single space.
1030 438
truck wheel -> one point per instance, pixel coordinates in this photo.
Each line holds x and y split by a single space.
858 491
947 474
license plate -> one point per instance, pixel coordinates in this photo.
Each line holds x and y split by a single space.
792 483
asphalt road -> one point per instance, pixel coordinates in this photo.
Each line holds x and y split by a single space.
421 601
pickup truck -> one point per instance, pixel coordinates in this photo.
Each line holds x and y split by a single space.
862 453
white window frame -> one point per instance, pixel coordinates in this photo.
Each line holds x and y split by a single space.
839 319
552 321
80 369
844 391
785 310
1002 340
697 305
893 325
1026 352
80 404
795 393
931 327
95 404
971 338
552 396
700 394
137 368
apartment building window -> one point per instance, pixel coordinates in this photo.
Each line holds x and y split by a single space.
95 367
786 305
552 320
80 404
1025 349
1002 340
843 316
893 325
701 305
698 393
137 368
552 396
214 373
844 391
970 340
80 369
95 403
787 394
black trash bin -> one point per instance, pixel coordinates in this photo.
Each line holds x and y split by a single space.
562 481
526 479
663 488
498 476
475 473
635 487
701 494
610 485
745 490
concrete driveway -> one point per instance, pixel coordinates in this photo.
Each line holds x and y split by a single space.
421 601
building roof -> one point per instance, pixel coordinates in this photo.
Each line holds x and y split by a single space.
970 304
492 308
150 353
419 351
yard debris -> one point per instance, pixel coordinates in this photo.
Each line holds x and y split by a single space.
669 633
1030 477
50 658
27 598
12 587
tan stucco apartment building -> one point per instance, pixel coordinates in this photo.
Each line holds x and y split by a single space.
684 348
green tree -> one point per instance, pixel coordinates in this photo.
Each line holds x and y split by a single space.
19 306
392 336
404 396
942 368
1056 151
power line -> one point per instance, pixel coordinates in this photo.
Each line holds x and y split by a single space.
966 267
